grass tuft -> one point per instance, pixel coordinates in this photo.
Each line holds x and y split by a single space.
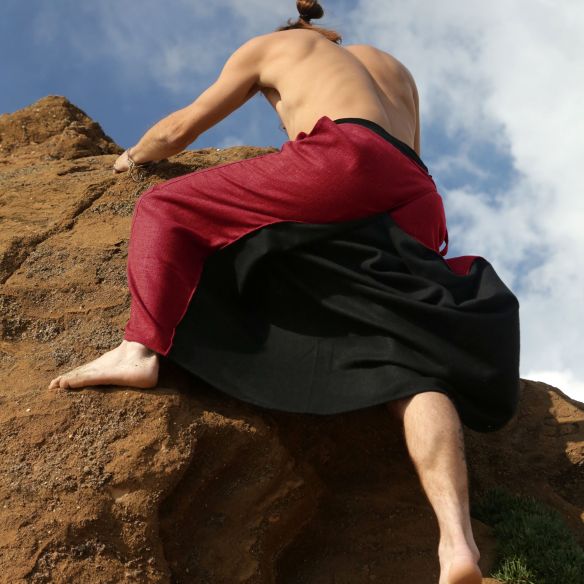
534 544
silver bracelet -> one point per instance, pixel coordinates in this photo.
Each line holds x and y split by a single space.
134 169
131 161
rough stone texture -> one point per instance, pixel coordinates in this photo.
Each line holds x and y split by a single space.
53 128
183 483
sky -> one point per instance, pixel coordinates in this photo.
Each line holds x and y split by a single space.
501 91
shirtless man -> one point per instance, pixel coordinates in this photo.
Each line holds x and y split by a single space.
304 76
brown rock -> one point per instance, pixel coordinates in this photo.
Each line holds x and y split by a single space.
53 128
182 483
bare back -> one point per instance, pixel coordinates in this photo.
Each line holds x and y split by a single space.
305 76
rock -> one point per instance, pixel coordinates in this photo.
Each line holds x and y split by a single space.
182 483
55 128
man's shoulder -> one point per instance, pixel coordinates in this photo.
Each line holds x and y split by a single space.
380 59
361 47
374 52
251 51
294 35
367 49
259 43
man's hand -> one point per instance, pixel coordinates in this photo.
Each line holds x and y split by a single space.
121 164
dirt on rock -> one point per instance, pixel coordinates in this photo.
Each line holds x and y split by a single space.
182 483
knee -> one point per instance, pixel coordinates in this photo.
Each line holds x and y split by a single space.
151 202
397 407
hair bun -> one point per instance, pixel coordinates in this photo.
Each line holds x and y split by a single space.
309 10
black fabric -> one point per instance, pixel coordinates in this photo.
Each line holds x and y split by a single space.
402 146
328 318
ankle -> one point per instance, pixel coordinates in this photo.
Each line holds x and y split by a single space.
459 543
137 348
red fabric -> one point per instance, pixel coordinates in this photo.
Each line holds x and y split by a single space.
461 265
336 172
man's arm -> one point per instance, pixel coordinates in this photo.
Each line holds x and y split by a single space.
235 85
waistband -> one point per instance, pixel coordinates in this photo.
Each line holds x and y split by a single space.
402 146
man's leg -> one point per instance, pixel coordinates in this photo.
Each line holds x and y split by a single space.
434 438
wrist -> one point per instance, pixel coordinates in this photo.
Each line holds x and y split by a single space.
132 157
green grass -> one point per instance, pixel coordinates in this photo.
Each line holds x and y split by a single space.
534 544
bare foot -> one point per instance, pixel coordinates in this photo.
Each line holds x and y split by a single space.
460 566
129 364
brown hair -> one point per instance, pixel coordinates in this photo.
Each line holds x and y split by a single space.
308 10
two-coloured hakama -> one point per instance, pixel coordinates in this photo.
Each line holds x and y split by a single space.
311 280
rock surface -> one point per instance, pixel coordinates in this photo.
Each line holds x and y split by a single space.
182 483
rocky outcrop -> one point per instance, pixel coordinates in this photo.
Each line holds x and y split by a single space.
53 128
182 483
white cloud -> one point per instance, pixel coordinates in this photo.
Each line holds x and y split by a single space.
562 379
508 74
452 164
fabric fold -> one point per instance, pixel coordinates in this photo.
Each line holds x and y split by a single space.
328 318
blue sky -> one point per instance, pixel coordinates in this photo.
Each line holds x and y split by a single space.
58 48
501 86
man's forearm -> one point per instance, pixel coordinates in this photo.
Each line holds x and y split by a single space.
160 141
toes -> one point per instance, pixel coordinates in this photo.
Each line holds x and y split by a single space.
69 379
80 377
54 383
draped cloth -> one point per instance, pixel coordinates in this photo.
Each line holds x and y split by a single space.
338 296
